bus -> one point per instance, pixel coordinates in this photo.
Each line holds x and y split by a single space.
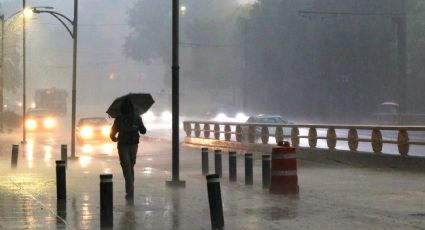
53 99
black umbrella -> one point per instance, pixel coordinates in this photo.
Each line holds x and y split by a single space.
141 103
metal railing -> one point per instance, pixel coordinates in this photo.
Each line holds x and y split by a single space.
252 132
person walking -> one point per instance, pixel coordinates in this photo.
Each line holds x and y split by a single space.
127 125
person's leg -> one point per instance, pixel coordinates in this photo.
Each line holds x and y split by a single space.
125 161
133 155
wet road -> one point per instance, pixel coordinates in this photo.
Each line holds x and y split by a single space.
332 196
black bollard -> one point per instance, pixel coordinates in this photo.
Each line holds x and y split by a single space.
15 152
205 166
214 198
232 166
106 200
60 180
61 214
217 157
64 153
266 171
248 169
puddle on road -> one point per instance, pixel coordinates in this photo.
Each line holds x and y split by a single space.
273 213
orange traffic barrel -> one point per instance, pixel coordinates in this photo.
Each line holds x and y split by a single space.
284 179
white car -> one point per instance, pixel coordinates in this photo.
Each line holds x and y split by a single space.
267 119
41 120
93 129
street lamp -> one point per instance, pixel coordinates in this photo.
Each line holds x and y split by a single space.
63 19
175 181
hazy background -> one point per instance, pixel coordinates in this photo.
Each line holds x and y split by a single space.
256 57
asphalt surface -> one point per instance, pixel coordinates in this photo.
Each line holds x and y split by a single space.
332 196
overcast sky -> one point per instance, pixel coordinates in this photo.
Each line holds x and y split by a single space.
246 1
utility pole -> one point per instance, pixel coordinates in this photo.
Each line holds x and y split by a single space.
401 57
24 96
74 78
175 182
245 67
2 76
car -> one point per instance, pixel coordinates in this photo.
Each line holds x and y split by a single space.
93 129
262 118
266 119
388 114
222 112
41 120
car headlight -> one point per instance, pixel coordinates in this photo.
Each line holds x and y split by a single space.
31 124
221 117
49 123
166 116
105 131
86 132
149 116
241 117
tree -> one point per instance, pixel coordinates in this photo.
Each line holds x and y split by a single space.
209 55
327 67
416 58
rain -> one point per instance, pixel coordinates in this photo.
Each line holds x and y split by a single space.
335 84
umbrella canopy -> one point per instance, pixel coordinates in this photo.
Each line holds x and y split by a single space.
141 103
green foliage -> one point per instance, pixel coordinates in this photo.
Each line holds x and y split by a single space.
151 31
11 119
209 49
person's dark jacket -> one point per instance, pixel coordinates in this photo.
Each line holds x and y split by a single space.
128 128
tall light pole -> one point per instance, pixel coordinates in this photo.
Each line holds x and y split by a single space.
2 74
74 36
175 182
74 77
24 69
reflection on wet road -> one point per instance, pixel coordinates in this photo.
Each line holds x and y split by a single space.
331 196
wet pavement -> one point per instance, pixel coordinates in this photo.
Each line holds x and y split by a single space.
332 196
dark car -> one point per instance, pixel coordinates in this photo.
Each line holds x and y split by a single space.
93 129
41 120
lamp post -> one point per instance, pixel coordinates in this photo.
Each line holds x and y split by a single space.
24 69
73 33
175 182
1 74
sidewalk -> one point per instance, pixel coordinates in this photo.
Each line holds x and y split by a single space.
332 196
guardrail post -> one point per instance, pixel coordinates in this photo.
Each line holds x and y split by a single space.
217 162
214 199
331 138
295 139
106 200
403 142
248 169
60 180
15 152
353 139
312 137
205 164
376 140
232 166
266 171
